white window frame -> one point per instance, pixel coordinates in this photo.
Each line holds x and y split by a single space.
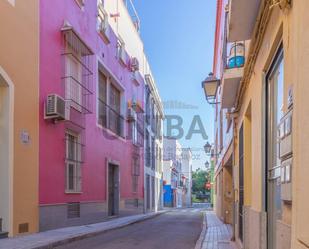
74 95
110 82
76 163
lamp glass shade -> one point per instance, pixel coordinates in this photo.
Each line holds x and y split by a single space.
210 86
207 148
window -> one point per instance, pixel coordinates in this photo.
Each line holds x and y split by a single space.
135 173
147 154
73 162
115 119
73 72
102 109
134 133
109 100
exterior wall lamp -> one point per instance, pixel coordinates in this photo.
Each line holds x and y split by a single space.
208 150
210 86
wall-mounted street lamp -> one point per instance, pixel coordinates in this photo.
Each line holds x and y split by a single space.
207 148
210 86
208 151
207 165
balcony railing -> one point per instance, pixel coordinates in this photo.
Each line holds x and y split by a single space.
133 13
234 55
111 119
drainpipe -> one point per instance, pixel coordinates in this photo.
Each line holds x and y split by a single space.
233 181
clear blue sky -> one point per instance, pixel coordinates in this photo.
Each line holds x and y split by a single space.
179 39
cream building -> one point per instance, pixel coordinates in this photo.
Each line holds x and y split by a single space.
19 110
262 122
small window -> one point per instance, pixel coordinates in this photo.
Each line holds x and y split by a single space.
73 163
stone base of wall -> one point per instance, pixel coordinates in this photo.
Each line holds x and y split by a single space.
255 236
283 240
56 216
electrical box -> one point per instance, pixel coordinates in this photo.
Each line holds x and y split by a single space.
285 143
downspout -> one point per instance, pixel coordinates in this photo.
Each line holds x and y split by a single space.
233 182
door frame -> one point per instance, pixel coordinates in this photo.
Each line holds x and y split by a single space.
8 84
277 58
116 164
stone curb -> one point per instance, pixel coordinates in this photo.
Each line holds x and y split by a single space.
95 233
79 235
200 241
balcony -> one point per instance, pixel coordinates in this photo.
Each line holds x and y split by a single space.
241 19
233 73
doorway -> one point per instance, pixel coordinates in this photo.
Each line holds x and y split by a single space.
274 111
241 184
6 151
148 192
113 189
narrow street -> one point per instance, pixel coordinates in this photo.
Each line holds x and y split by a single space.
178 229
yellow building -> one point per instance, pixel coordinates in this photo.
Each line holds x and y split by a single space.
262 60
19 96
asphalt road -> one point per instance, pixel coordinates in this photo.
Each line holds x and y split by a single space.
178 229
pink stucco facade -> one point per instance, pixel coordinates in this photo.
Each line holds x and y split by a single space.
98 149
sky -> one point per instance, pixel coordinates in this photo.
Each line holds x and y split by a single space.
178 38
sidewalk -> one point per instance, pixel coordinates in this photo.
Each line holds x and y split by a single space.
63 236
215 235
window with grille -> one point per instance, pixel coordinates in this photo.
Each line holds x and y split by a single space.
135 173
147 154
115 119
134 132
102 108
73 162
109 106
73 72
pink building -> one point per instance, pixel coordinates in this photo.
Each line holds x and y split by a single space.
91 133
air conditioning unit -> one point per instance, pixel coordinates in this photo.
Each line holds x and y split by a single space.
55 107
134 64
132 116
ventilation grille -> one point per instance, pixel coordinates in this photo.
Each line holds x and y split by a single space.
23 228
73 210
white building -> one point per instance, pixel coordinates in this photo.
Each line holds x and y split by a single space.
187 173
173 154
153 147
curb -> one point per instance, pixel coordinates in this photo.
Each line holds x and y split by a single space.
200 241
78 237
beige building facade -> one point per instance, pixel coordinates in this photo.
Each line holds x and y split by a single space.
264 100
19 94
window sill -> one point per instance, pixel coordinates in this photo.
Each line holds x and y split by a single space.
110 132
72 192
